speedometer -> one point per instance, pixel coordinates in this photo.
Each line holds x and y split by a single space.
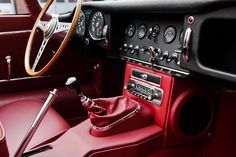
80 28
96 25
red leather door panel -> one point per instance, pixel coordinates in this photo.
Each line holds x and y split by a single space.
14 32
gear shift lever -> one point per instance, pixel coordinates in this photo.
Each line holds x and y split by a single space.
114 115
73 84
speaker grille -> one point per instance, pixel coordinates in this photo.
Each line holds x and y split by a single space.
195 115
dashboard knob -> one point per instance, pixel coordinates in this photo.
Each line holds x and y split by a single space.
172 57
164 55
153 32
153 60
135 50
130 49
156 31
124 48
154 51
144 49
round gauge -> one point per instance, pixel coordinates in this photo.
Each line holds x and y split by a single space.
96 25
169 34
81 26
142 30
130 30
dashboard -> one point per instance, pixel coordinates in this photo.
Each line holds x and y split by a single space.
154 40
165 35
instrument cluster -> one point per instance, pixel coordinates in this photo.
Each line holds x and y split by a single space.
92 24
81 24
155 43
142 31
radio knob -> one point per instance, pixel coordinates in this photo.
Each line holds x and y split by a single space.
154 95
129 86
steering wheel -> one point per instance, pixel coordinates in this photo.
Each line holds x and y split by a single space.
49 28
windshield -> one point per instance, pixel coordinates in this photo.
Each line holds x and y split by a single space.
63 6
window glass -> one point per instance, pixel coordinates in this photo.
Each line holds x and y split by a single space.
60 6
60 1
13 7
63 6
5 1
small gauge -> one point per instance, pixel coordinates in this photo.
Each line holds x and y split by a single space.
169 34
96 25
142 30
81 26
181 38
130 30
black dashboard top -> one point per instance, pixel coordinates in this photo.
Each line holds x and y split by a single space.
169 6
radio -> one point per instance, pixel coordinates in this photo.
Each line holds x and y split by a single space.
144 85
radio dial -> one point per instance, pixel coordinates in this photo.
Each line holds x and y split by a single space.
144 91
129 86
154 95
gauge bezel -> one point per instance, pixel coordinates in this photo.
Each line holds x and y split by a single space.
83 34
127 29
90 24
168 42
138 30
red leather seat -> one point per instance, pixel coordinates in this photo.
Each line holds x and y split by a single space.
16 118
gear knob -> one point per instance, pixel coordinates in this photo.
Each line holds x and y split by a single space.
73 84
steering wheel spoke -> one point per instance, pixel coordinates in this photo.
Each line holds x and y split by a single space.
42 25
41 50
62 27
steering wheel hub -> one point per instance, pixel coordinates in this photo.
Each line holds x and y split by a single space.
50 28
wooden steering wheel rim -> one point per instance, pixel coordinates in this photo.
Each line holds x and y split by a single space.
60 49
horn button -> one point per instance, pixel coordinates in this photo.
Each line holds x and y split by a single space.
50 28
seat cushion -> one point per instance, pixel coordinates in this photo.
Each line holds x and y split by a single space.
17 117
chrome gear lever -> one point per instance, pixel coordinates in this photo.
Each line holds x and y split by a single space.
73 84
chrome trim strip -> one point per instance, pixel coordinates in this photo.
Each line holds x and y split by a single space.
15 32
23 78
126 117
159 66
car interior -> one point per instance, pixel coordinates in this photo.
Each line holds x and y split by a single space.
131 78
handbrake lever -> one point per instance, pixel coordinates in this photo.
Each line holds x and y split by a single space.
34 126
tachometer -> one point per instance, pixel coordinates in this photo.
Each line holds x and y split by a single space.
81 25
96 25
